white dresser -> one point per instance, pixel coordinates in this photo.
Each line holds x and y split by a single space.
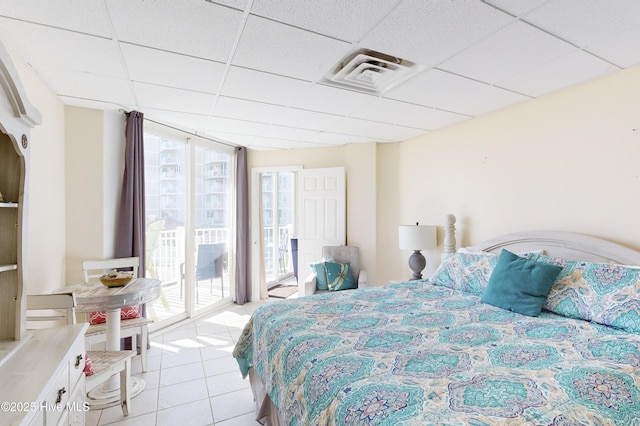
43 383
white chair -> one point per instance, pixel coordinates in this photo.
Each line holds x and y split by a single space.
340 254
133 327
60 308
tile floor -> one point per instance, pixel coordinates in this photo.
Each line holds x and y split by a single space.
192 378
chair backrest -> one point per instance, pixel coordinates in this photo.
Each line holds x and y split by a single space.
210 260
96 268
344 254
51 307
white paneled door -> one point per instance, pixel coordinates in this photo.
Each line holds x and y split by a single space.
321 215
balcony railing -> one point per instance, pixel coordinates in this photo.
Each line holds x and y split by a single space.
165 257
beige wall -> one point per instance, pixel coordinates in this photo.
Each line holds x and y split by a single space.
568 161
94 158
388 256
45 221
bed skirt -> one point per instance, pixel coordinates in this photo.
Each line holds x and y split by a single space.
266 413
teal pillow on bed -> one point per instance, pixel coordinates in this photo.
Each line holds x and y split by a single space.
520 285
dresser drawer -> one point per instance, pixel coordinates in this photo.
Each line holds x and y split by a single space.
77 406
76 363
55 402
38 419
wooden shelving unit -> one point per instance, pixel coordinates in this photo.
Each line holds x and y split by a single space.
17 117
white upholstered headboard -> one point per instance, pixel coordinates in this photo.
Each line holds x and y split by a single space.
566 245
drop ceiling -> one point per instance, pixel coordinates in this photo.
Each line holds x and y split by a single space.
254 72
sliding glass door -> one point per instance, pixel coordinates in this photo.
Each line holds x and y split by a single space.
278 224
212 226
188 210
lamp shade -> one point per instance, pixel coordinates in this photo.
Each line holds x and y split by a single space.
417 237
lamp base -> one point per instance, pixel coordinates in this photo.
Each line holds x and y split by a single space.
417 262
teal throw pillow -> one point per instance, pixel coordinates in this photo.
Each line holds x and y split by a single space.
520 285
321 275
339 276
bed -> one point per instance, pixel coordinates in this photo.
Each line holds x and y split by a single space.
432 352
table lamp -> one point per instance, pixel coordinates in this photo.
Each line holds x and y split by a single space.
417 237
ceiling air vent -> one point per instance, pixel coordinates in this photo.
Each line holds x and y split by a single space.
371 72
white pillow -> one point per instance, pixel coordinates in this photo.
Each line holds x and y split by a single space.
467 250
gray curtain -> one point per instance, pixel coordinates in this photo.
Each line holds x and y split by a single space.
130 238
243 243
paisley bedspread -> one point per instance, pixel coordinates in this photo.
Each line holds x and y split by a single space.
418 354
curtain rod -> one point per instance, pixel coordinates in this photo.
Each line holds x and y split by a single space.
185 131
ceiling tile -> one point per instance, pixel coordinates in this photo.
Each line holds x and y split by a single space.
450 92
585 22
171 99
567 71
345 20
181 120
40 46
106 89
401 133
228 125
622 49
268 46
429 32
170 69
517 8
86 16
275 143
95 104
328 138
379 132
293 117
292 133
405 114
481 55
242 140
263 87
203 29
331 100
509 52
238 4
389 111
248 110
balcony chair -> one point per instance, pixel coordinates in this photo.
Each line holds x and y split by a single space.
283 251
210 265
339 254
132 327
60 308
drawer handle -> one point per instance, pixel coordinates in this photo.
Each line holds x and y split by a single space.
60 393
78 360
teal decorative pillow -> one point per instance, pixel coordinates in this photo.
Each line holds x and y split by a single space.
520 285
466 272
321 275
339 276
605 293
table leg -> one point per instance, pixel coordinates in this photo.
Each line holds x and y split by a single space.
108 394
